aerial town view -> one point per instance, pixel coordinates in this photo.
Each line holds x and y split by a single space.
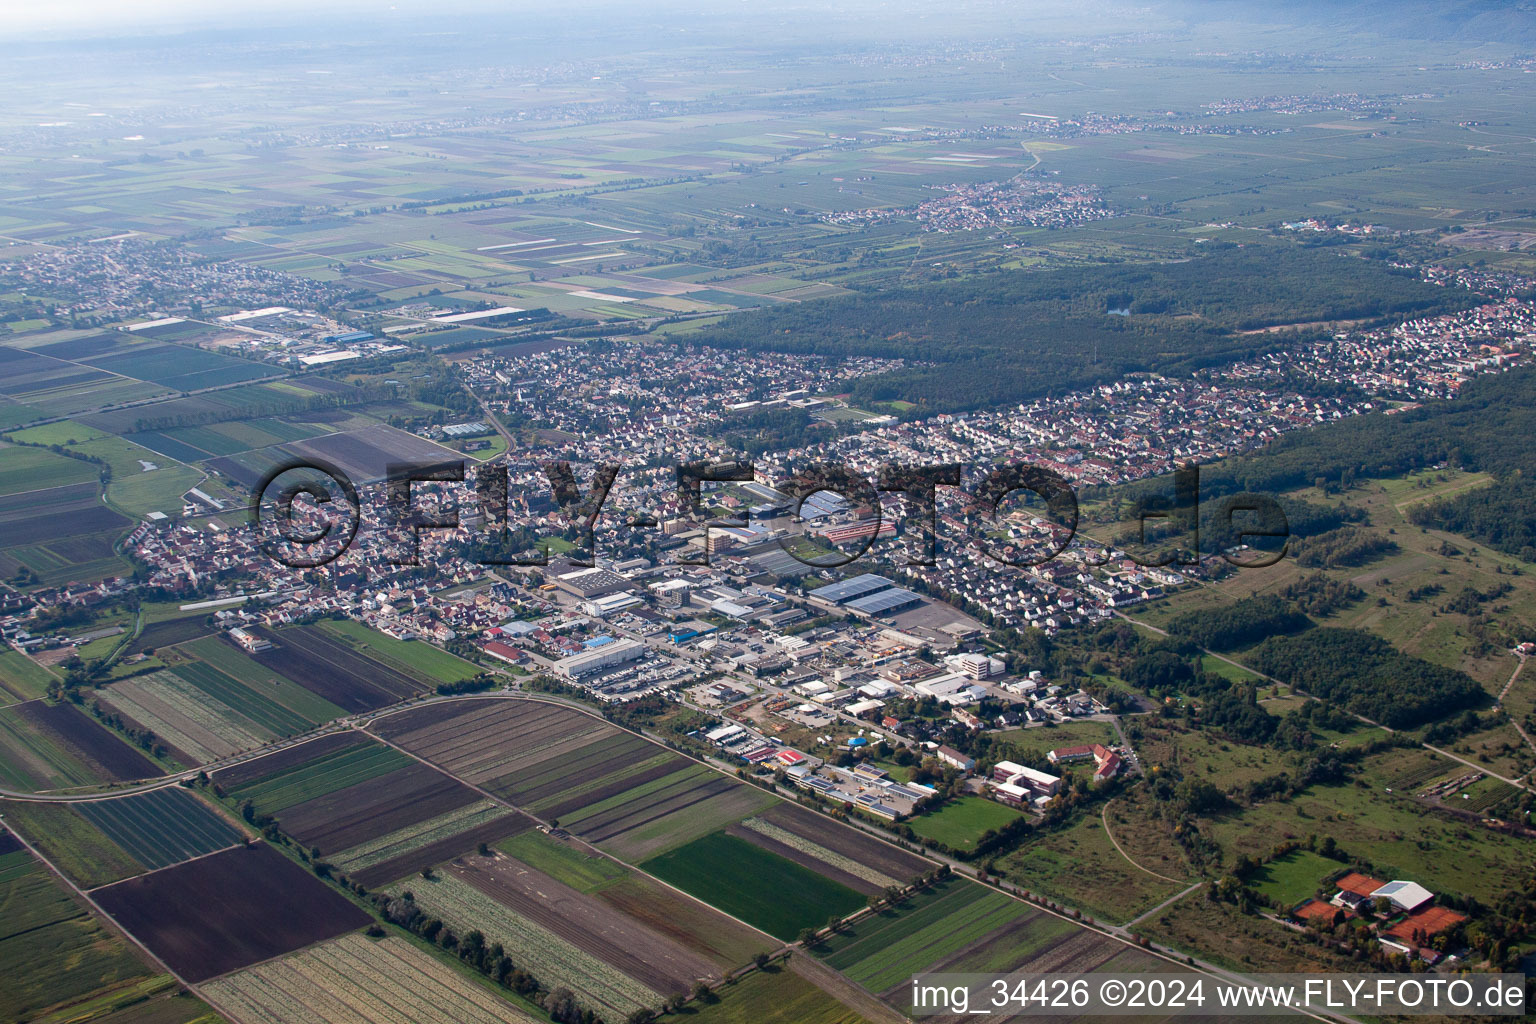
739 513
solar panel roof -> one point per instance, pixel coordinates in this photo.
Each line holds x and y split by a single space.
857 586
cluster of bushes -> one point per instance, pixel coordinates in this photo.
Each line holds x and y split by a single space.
1344 548
1317 594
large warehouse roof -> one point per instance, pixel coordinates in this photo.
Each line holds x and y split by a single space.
849 589
884 601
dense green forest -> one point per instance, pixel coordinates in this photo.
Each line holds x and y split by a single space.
1503 516
1019 335
1368 676
1239 624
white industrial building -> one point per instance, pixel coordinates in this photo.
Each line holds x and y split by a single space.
609 604
599 658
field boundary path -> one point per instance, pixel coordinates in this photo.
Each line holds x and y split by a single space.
1163 905
1512 677
1104 818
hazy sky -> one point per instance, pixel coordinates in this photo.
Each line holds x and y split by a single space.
64 17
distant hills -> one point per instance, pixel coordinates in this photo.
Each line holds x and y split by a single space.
1466 21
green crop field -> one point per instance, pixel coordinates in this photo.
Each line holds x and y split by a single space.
1292 878
21 677
260 680
563 861
254 705
773 996
32 469
882 950
66 432
162 827
52 951
960 823
73 844
761 888
413 657
155 1000
33 759
143 481
336 770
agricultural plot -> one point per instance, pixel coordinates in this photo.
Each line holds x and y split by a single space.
142 481
50 746
238 403
372 811
70 397
148 1003
767 891
35 469
265 715
194 444
268 906
196 727
657 962
310 769
570 863
410 657
687 785
74 845
886 949
14 413
62 534
602 783
331 669
1075 950
169 632
161 827
53 953
21 678
489 743
353 980
545 953
222 654
363 454
373 808
833 844
420 844
718 939
599 782
179 367
775 996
